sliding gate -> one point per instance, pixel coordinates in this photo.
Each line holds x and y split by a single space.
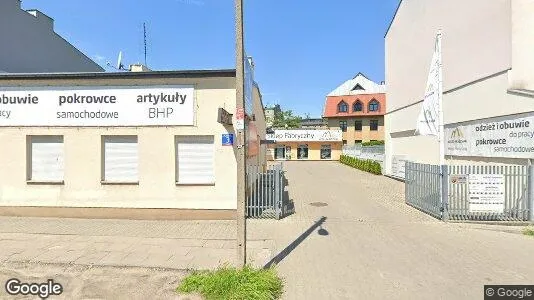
265 191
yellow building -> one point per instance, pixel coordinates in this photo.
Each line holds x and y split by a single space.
301 144
129 144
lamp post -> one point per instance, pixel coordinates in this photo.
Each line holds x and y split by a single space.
241 144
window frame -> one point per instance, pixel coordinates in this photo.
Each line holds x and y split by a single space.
371 125
344 104
111 181
326 147
361 125
30 178
358 102
343 127
373 103
177 161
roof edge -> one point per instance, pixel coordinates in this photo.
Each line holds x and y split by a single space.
393 19
88 75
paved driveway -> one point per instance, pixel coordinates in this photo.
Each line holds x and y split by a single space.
367 244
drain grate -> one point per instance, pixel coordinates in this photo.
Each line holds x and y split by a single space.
318 204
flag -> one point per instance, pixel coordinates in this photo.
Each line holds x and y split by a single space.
428 120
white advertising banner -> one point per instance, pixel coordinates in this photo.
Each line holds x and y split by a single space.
428 119
486 193
97 106
510 137
306 136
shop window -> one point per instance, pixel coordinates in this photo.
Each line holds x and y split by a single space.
344 142
120 159
45 156
373 105
326 152
374 125
358 142
343 126
358 125
357 106
195 160
302 152
288 152
342 107
280 152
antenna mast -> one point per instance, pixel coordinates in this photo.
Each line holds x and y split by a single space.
144 38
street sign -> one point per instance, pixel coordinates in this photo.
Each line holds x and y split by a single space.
224 117
228 139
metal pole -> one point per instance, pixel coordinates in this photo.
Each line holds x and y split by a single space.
531 193
445 192
240 104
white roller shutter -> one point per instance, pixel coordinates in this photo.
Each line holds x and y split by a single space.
47 158
120 159
195 160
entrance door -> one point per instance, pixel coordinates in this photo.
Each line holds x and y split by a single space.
280 152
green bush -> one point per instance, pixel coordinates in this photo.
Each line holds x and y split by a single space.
373 143
234 284
366 165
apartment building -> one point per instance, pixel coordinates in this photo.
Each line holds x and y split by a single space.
357 108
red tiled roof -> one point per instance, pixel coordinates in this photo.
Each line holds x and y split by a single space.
332 102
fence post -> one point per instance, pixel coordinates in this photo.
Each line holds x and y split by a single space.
531 193
445 192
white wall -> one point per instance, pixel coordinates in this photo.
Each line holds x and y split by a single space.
477 56
30 45
523 45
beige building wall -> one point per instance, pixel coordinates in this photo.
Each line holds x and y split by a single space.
477 57
365 135
314 150
522 74
156 146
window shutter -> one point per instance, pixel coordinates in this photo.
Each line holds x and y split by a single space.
120 159
195 160
47 158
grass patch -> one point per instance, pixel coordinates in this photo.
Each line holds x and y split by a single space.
528 231
234 284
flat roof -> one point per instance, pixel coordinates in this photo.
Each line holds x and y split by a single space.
150 74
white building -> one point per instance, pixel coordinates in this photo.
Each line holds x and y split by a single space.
488 78
30 45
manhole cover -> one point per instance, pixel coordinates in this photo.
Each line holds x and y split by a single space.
318 204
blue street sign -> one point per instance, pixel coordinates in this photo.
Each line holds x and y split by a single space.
228 139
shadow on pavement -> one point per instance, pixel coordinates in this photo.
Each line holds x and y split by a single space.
284 253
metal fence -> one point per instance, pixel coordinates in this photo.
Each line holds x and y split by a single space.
471 192
423 188
375 153
265 194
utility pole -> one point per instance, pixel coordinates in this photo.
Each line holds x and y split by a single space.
241 144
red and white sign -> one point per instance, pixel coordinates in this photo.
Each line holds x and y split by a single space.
240 118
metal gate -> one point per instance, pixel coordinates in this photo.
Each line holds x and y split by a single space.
423 188
265 191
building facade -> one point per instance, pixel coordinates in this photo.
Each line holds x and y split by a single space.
30 45
487 65
357 108
304 144
135 145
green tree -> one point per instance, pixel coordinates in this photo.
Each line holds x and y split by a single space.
283 119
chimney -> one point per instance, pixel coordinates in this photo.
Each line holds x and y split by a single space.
42 19
139 68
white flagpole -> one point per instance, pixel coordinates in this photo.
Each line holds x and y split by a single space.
440 95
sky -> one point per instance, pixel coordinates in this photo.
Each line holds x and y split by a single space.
302 50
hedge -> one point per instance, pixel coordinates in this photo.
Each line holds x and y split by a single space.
367 165
373 143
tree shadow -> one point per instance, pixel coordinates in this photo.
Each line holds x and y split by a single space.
284 253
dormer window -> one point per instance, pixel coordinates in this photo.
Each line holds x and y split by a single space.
374 106
357 106
342 107
358 87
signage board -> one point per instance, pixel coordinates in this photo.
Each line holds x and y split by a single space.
511 137
486 193
97 106
224 117
248 85
306 136
227 139
240 119
458 179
